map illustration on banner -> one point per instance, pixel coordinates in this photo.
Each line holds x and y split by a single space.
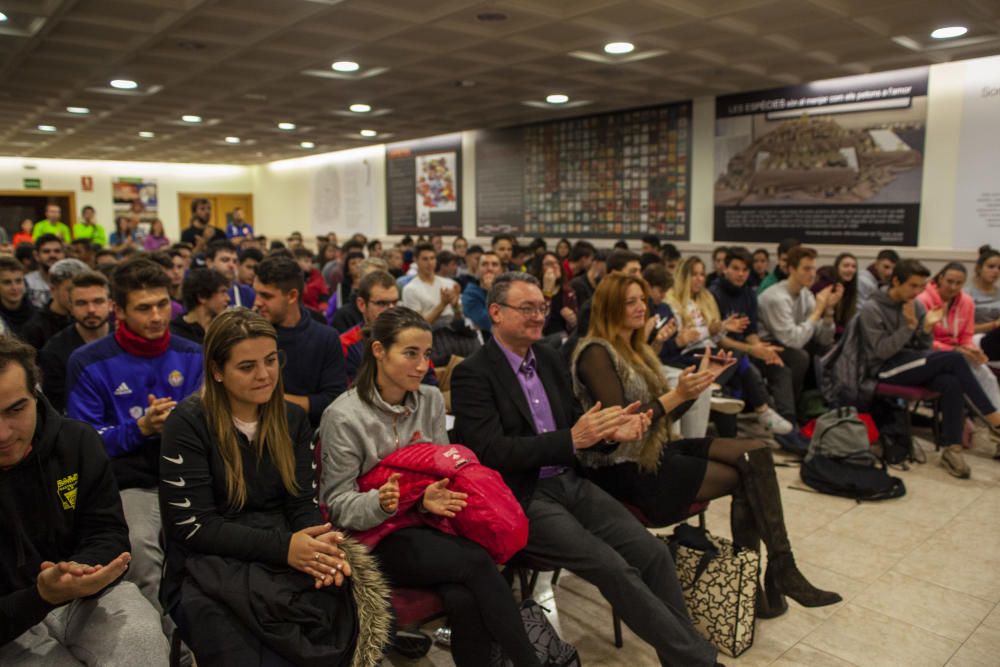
836 161
623 174
135 197
424 186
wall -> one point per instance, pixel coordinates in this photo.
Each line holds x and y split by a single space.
171 179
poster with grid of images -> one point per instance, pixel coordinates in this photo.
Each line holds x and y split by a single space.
616 175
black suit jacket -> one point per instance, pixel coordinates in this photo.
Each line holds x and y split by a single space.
492 417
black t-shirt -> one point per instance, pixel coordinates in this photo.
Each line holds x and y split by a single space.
190 234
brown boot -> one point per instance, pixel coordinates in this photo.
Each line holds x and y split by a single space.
745 535
764 498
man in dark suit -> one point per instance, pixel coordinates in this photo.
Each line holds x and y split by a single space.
514 407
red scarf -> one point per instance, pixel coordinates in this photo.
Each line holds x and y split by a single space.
136 345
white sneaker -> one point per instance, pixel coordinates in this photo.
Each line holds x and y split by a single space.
774 422
727 405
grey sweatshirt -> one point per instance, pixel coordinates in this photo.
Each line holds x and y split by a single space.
356 436
889 341
784 318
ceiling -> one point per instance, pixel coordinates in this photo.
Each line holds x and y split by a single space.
245 65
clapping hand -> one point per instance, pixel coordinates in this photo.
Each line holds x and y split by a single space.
691 384
440 501
388 494
736 323
61 582
932 318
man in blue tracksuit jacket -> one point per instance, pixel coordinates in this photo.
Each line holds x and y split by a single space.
125 386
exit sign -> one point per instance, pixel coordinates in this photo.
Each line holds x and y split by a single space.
32 184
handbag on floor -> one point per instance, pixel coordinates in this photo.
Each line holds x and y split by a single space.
719 581
551 650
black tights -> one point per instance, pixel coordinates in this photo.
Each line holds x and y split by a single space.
480 605
721 475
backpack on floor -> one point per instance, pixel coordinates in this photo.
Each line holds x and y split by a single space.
551 650
895 433
840 434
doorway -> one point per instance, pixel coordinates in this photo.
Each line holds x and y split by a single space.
18 205
222 208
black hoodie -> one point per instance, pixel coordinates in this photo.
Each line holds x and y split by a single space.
20 316
60 503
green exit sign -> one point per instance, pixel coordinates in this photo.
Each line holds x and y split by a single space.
32 184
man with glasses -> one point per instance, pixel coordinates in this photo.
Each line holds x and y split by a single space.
514 407
377 293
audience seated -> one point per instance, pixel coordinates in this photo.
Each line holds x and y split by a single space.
734 295
513 406
206 295
580 258
49 249
386 410
15 306
201 232
222 256
843 271
561 320
436 298
313 371
348 314
249 258
780 271
474 294
877 276
985 294
65 545
125 386
55 316
503 246
614 366
702 329
237 487
761 267
796 319
896 329
90 309
585 282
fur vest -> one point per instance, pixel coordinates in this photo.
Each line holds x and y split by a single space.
645 452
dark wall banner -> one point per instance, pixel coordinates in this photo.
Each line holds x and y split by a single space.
623 174
836 161
423 185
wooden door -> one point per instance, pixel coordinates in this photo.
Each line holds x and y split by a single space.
222 207
16 205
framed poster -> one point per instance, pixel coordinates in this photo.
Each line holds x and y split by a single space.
423 186
135 197
837 161
617 175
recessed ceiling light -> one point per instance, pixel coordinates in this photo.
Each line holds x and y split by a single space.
949 32
286 126
124 84
557 98
3 17
307 144
345 66
368 133
361 108
147 135
232 140
617 48
188 118
79 110
47 128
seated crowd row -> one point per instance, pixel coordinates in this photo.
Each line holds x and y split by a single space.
174 462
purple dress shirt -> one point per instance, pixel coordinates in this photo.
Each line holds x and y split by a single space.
538 400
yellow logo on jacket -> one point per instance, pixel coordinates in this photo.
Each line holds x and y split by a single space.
66 488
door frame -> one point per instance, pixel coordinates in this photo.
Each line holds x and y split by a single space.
70 194
184 217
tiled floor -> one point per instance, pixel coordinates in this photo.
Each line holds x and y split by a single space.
920 578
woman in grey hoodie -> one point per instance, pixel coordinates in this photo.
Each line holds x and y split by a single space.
388 408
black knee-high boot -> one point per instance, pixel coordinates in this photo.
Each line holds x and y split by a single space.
763 494
746 535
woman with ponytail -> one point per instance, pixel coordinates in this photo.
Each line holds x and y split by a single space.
388 409
244 531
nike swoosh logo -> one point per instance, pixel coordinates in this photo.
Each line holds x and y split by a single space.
186 521
191 534
179 460
180 482
183 505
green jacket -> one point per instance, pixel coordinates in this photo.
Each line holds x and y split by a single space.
95 233
60 229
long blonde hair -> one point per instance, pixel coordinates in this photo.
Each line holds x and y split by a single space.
229 328
607 321
680 294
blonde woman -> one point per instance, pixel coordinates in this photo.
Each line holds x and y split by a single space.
243 528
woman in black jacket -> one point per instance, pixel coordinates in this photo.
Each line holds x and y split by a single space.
252 574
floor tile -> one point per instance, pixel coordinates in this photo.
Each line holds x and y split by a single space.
865 637
846 555
801 655
993 620
946 564
982 649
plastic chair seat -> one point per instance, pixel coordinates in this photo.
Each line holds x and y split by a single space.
906 393
416 606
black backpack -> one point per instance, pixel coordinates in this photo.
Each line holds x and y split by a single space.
895 433
837 477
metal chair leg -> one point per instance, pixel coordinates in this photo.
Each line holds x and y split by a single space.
555 576
617 625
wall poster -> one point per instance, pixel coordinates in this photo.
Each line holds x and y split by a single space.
977 186
617 175
423 186
836 161
135 197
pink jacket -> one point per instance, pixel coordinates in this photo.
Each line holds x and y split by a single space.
959 323
492 518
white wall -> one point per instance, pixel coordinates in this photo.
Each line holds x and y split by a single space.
171 179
